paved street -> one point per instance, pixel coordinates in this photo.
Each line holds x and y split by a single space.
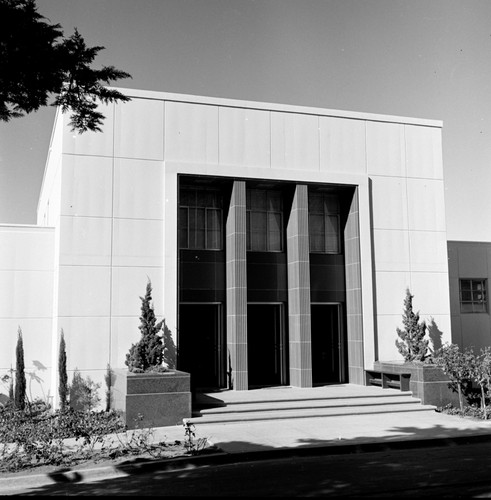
447 471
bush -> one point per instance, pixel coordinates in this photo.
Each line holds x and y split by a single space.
83 393
147 354
412 346
470 376
62 373
35 436
20 376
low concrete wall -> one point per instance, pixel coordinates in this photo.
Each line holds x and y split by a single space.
152 399
427 383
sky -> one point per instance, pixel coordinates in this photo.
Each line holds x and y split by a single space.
427 59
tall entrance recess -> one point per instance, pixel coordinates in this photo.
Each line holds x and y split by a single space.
266 345
328 344
200 342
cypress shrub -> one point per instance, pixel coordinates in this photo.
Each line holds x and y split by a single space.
62 373
148 353
20 375
412 344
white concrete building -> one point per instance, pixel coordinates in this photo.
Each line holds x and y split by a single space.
279 241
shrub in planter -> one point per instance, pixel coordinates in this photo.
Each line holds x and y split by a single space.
148 353
151 392
412 344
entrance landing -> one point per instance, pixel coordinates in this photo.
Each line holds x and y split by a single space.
293 402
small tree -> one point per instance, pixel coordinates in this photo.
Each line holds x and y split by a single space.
412 344
20 375
457 365
147 354
62 373
108 381
39 63
481 373
83 393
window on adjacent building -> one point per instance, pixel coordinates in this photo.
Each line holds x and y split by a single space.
473 296
264 220
324 223
200 219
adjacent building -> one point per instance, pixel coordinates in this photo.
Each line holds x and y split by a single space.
279 241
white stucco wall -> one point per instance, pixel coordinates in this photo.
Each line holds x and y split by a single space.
26 302
113 201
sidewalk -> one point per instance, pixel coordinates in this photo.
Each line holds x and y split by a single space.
281 438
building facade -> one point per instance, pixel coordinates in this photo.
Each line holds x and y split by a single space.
279 241
469 267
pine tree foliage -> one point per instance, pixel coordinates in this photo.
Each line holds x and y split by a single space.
62 373
148 353
169 347
39 64
412 344
11 385
20 375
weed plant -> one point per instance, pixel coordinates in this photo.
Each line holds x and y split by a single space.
38 436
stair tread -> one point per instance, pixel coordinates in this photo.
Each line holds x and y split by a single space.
305 413
297 404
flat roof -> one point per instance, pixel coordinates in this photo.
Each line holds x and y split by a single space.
287 108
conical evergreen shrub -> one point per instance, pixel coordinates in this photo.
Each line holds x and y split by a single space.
20 375
148 353
62 373
412 344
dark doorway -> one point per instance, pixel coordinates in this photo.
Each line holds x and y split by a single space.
266 345
200 340
328 350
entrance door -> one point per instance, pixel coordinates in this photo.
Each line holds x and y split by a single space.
200 344
265 345
328 352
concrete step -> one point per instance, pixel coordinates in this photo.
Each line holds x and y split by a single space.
270 405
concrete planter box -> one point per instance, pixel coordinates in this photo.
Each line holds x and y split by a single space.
427 382
161 398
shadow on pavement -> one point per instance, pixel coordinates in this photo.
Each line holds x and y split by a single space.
181 477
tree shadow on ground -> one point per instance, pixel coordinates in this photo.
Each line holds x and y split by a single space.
191 476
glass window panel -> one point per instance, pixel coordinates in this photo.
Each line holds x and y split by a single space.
203 231
274 201
258 199
332 243
188 198
466 307
197 228
274 232
324 227
332 234
316 203
183 228
213 229
264 220
316 233
316 243
258 229
248 231
481 307
274 222
473 296
331 204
